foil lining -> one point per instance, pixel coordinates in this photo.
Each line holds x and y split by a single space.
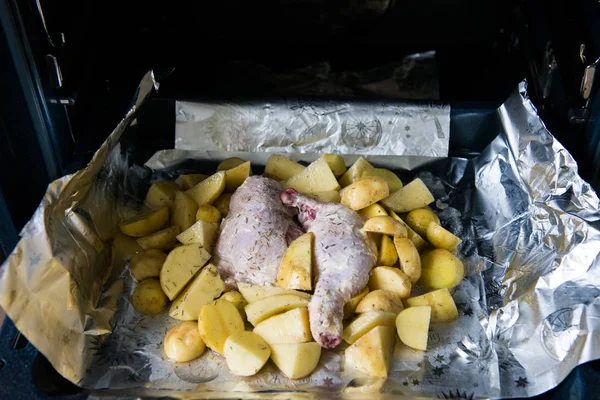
529 308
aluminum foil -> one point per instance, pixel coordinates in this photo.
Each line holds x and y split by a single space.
529 308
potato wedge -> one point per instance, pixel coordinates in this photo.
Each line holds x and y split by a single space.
331 196
290 327
209 190
442 238
234 177
364 192
410 197
282 168
350 306
208 213
230 163
380 300
388 255
205 287
188 181
253 293
412 325
372 353
246 353
336 164
237 300
183 343
161 194
164 239
179 268
414 237
202 233
296 360
409 258
260 310
420 218
145 223
443 308
217 321
385 225
441 269
295 270
365 322
355 172
315 178
222 203
148 298
184 211
394 183
392 279
374 210
147 264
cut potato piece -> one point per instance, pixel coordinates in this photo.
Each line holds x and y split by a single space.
237 300
230 163
188 181
372 353
282 168
365 322
331 196
296 360
350 306
295 271
355 172
441 269
385 225
414 237
394 183
253 293
260 310
145 223
380 300
183 343
443 308
208 213
374 210
217 321
184 211
222 203
206 287
392 279
164 239
315 178
179 268
290 327
412 325
336 164
161 194
209 189
202 232
364 192
234 177
246 353
148 298
410 197
441 238
387 252
147 264
420 218
409 258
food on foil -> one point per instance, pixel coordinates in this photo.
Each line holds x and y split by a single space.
279 236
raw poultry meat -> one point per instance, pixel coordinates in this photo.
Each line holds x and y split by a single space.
344 256
255 234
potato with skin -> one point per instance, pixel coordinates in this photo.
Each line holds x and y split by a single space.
385 225
148 298
253 293
296 360
230 163
282 168
331 196
372 353
420 218
336 164
188 181
410 197
441 269
179 268
295 270
442 238
414 237
374 210
290 327
145 223
147 264
208 213
236 298
184 211
365 322
350 306
392 279
246 353
205 287
380 300
234 177
183 343
315 178
409 258
209 190
217 321
355 172
164 240
161 194
443 308
388 255
412 325
222 203
394 183
260 310
364 192
202 233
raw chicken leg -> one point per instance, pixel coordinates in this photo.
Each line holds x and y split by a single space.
344 257
255 234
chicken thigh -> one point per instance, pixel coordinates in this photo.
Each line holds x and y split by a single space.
344 256
255 234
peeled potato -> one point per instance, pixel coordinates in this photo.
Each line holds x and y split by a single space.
148 297
295 270
209 189
364 192
336 163
441 238
208 213
409 258
394 183
222 203
179 268
315 178
183 343
164 239
161 194
253 293
184 211
147 264
410 197
420 218
355 172
230 163
262 309
282 168
350 306
441 269
374 210
296 360
201 232
217 321
414 237
387 252
234 177
392 279
205 287
145 223
412 325
372 353
380 300
386 225
443 308
246 353
188 181
290 327
365 322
